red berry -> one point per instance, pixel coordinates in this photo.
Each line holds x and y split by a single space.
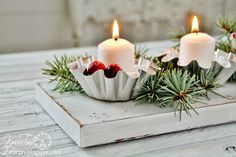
234 35
94 66
112 70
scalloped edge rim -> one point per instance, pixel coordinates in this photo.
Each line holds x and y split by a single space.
227 64
135 74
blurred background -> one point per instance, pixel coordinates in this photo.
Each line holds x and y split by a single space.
27 25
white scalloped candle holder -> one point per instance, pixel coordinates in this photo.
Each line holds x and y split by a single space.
119 88
220 57
226 60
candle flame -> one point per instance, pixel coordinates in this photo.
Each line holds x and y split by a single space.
195 25
115 33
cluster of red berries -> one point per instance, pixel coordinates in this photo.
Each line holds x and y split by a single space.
109 71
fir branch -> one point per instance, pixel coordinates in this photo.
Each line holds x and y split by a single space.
140 51
225 46
180 91
206 78
207 81
174 88
59 72
227 24
149 92
176 36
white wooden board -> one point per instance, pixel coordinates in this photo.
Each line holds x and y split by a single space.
91 122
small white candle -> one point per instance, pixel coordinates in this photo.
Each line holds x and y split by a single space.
196 46
117 50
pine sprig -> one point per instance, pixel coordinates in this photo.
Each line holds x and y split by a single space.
180 91
207 81
173 88
140 51
224 45
149 91
206 78
226 24
59 72
176 36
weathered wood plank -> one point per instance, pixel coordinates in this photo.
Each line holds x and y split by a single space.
166 141
56 133
23 76
158 144
70 149
121 121
41 56
18 107
218 148
17 90
21 68
25 121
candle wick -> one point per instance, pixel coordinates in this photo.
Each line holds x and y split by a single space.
116 38
195 31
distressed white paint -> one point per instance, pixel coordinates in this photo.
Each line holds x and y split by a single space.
21 114
91 122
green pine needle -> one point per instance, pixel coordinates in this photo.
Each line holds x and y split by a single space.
173 88
226 24
176 36
59 72
180 91
225 46
207 81
140 51
149 92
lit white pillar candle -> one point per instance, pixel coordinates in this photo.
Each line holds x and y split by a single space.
196 46
117 50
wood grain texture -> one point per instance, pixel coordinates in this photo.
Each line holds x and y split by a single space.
18 106
92 122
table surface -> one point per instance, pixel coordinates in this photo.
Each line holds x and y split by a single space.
21 114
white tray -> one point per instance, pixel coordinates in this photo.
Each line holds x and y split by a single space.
92 122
